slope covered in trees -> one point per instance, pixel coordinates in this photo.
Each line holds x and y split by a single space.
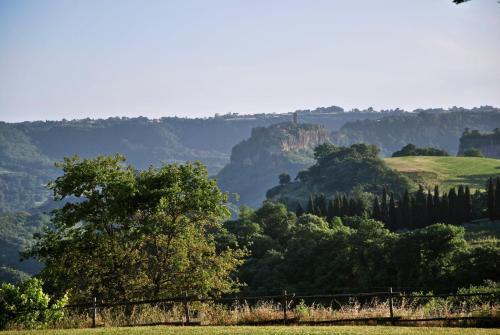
29 149
341 169
309 254
257 162
424 128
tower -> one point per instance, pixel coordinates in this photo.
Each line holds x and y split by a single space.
294 117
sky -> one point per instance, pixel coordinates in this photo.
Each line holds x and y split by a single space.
90 58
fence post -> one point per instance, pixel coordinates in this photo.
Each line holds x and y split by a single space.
186 308
390 304
94 313
285 307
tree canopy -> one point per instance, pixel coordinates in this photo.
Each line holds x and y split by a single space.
126 234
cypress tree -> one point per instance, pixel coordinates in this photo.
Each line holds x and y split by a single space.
393 216
300 210
420 208
321 206
318 211
430 208
491 200
337 206
400 223
461 212
330 210
468 205
384 208
452 206
497 200
437 205
352 207
406 211
444 209
360 207
345 206
376 212
310 205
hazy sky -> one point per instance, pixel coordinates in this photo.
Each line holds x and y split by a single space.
76 59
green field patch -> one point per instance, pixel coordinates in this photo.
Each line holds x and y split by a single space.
447 171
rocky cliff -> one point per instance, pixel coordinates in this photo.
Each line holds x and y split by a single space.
257 162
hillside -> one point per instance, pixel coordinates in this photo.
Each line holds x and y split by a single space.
340 170
446 171
257 162
29 149
422 128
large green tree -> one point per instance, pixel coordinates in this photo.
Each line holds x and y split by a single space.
126 234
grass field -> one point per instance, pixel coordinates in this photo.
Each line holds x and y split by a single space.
276 330
447 171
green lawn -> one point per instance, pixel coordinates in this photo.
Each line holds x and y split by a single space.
447 171
276 330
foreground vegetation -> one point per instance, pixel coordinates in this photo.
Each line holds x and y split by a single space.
275 330
125 235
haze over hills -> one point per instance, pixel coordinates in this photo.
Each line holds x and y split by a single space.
245 161
29 149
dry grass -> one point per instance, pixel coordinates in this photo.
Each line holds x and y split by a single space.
274 330
244 313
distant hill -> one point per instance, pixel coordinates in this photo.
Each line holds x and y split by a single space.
257 162
446 171
426 128
29 149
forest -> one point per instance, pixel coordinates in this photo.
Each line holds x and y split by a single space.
176 217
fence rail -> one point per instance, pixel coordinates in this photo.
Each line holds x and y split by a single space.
286 301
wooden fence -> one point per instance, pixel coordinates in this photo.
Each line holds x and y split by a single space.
286 301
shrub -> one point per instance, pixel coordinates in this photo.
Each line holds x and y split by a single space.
473 152
27 306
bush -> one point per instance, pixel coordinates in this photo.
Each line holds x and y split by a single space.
473 152
27 306
412 150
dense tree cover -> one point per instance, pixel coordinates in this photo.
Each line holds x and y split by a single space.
341 169
16 233
409 211
339 206
424 128
28 149
281 148
23 171
424 208
132 234
27 306
493 199
413 150
310 254
473 152
476 144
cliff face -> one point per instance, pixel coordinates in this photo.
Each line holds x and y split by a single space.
278 140
257 162
487 143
